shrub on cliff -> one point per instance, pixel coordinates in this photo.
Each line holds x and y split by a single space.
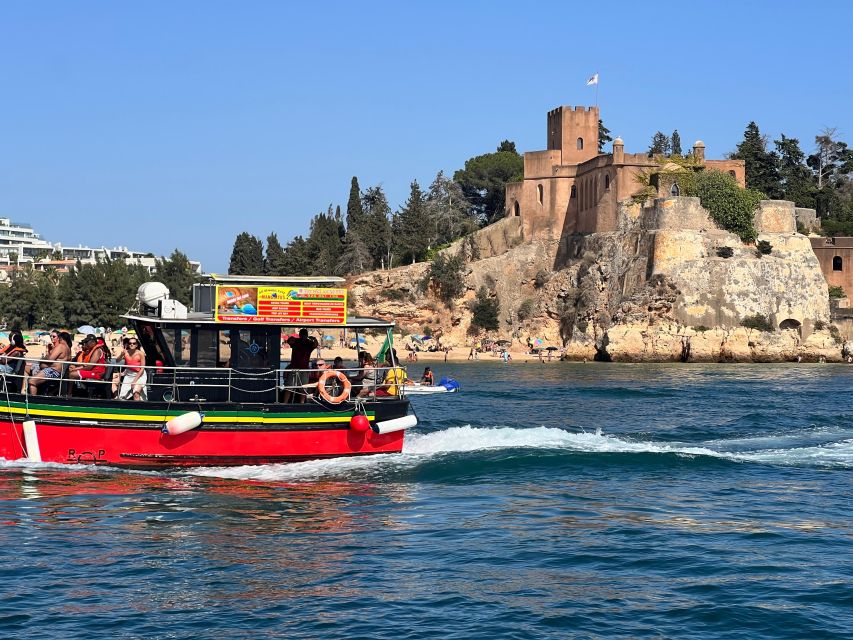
763 248
725 252
836 292
447 275
730 207
525 310
757 321
485 310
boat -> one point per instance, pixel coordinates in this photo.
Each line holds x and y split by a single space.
425 389
215 387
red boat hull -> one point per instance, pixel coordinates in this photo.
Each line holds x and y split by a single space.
128 440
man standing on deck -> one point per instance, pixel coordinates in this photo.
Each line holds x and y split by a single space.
300 358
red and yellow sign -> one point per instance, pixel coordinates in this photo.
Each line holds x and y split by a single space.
281 305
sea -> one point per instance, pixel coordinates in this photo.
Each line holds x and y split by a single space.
559 500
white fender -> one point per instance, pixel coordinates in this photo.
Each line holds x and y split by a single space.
31 439
182 423
397 424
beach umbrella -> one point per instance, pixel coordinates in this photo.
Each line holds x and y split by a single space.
537 341
86 330
503 343
328 338
4 335
552 349
361 340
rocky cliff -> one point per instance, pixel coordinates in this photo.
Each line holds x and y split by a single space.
667 285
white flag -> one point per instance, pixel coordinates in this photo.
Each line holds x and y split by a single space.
592 80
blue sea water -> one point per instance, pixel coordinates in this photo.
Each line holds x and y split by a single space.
544 501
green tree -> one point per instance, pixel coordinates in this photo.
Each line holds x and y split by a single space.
324 243
355 211
448 211
375 234
410 226
297 260
247 257
177 274
274 259
661 145
676 143
761 165
355 257
798 183
731 207
484 180
447 276
485 310
603 135
832 163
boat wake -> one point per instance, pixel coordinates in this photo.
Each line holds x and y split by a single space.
833 449
817 447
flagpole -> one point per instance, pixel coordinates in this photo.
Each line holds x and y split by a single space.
596 89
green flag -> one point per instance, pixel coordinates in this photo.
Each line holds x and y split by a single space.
380 357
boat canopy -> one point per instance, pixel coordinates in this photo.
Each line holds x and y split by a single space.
254 301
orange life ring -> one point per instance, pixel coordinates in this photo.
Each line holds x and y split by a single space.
324 393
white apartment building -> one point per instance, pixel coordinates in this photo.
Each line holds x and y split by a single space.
20 244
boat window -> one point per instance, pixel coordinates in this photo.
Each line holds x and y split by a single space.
225 348
252 348
207 349
178 344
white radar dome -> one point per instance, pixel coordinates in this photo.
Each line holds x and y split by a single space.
151 293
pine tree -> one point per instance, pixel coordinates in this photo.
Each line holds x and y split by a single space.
448 211
297 261
661 145
411 230
324 243
798 183
676 143
247 257
355 258
603 135
761 165
274 260
355 212
376 234
484 180
177 274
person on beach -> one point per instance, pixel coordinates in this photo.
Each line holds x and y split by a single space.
134 377
60 351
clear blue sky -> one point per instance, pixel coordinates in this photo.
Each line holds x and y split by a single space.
180 124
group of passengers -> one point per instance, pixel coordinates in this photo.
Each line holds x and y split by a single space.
369 380
87 364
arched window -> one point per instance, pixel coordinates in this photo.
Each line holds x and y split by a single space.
574 191
539 193
674 190
837 263
516 210
607 182
580 144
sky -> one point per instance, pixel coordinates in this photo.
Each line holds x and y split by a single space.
164 125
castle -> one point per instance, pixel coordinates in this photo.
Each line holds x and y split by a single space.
571 188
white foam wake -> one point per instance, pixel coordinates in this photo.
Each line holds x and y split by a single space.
789 450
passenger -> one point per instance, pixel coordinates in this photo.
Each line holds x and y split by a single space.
91 361
299 359
395 376
15 349
338 363
365 381
134 376
428 378
60 351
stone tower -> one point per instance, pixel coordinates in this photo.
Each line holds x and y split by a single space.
574 133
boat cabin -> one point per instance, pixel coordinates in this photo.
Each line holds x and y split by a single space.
228 348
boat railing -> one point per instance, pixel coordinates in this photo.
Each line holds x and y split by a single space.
200 384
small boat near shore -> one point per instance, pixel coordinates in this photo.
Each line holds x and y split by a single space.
447 385
217 393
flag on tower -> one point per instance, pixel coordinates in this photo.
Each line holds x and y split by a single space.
592 80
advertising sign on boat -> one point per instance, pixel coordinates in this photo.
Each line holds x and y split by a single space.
281 305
